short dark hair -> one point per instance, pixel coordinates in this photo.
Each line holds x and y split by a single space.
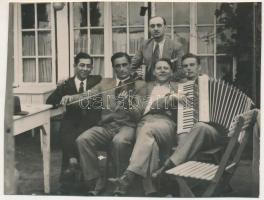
119 55
82 55
164 20
167 61
190 55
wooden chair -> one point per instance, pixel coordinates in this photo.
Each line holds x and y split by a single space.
211 174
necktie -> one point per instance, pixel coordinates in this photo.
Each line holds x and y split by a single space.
155 58
156 53
119 89
81 89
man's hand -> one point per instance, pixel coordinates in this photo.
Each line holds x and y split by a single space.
180 96
123 94
141 71
66 100
61 82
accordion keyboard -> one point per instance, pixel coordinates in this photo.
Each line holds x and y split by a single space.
187 112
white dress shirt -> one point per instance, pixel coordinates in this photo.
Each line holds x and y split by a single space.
118 80
161 45
78 82
159 91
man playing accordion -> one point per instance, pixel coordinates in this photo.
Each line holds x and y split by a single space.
202 135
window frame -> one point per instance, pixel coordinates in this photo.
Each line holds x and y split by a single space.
193 35
18 61
128 27
88 28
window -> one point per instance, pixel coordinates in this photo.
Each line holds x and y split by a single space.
88 32
178 21
214 58
103 28
195 26
127 26
36 44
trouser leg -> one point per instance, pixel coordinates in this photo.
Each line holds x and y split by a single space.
88 143
154 161
68 133
202 136
155 133
122 145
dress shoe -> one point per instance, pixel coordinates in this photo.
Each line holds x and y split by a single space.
122 183
97 187
160 172
70 179
120 191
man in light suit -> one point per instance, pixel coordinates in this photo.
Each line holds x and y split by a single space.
157 47
202 136
75 120
155 131
116 127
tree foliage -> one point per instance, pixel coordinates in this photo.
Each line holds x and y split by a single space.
238 20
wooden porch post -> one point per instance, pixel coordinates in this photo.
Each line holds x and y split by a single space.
9 150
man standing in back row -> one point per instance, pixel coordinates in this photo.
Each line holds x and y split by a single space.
157 47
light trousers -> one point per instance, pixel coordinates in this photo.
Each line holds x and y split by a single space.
155 137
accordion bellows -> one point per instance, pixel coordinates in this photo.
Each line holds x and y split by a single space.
211 100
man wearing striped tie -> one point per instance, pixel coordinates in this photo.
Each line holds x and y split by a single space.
158 46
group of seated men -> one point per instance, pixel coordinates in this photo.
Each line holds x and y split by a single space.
133 119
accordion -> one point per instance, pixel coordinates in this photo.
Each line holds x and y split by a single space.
212 101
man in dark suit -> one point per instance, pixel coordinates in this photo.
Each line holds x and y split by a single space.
158 46
116 128
75 120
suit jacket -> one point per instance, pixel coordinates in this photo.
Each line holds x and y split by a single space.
75 119
171 50
112 110
73 112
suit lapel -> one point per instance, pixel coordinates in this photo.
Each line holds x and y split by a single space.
93 80
89 82
148 53
166 49
174 86
150 87
72 84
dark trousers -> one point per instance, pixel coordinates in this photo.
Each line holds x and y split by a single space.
121 138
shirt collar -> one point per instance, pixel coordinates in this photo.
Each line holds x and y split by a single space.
165 85
78 82
118 80
161 43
